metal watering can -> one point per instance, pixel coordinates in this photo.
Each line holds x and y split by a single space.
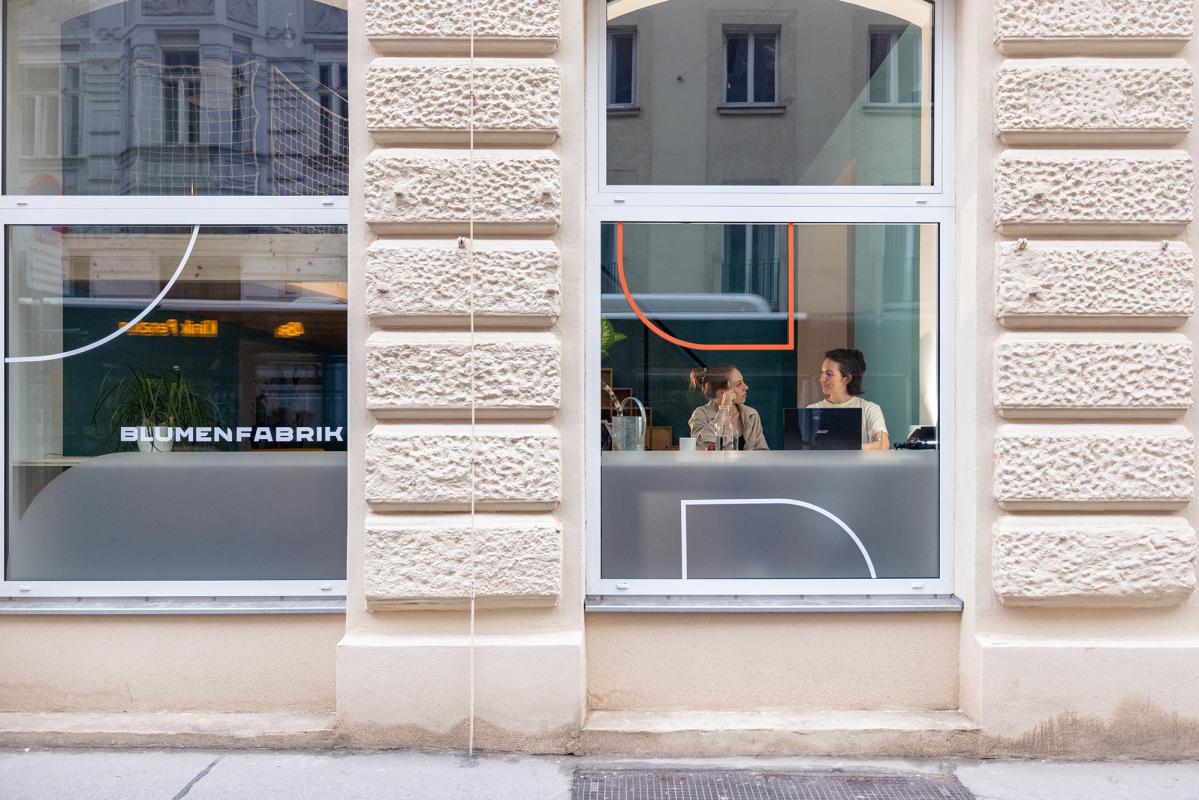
628 433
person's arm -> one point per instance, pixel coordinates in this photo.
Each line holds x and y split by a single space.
881 442
701 429
876 428
755 437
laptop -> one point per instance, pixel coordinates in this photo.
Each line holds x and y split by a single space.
822 429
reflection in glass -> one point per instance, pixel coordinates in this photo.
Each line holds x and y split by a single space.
771 300
622 70
798 93
245 358
176 97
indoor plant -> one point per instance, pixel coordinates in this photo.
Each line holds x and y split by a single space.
158 401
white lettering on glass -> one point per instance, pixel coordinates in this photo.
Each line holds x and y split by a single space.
212 434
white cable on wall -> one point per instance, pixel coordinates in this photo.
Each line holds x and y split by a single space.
470 261
187 254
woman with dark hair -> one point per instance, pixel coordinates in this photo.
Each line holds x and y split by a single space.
841 383
724 386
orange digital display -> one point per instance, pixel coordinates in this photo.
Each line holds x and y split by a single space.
205 329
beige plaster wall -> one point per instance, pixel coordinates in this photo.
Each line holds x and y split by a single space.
745 662
189 663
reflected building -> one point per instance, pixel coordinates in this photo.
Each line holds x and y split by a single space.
177 97
737 92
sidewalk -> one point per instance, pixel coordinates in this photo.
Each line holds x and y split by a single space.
398 775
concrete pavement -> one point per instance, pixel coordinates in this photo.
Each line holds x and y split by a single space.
96 774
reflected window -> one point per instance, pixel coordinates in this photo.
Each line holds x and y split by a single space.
117 99
894 64
333 89
751 67
180 109
622 68
751 261
40 109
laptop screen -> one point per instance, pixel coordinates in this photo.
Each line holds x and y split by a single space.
822 429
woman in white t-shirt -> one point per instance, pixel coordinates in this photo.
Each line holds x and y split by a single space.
841 382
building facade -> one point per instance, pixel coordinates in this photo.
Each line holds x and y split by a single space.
444 240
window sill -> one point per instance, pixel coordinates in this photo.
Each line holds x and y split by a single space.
749 110
139 606
624 111
773 603
892 108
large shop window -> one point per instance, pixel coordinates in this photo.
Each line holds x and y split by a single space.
175 296
770 243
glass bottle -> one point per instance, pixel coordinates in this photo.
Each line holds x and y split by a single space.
726 429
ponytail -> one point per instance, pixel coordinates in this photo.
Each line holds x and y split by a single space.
710 380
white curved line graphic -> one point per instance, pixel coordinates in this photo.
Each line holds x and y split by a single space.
777 501
187 254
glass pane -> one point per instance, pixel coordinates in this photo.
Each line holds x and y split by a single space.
822 66
225 103
736 68
205 442
778 481
765 64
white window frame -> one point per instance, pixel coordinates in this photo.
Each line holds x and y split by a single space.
910 205
753 34
173 211
631 33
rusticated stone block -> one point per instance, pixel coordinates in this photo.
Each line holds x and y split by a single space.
1093 562
413 374
509 562
1092 191
419 102
411 282
1096 468
1085 26
438 191
1064 284
1093 376
1117 100
518 26
412 466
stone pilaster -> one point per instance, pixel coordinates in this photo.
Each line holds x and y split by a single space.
1092 368
461 478
1092 376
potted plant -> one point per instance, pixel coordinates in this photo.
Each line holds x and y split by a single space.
157 401
609 337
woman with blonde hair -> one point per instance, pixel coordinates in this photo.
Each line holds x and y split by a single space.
724 386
